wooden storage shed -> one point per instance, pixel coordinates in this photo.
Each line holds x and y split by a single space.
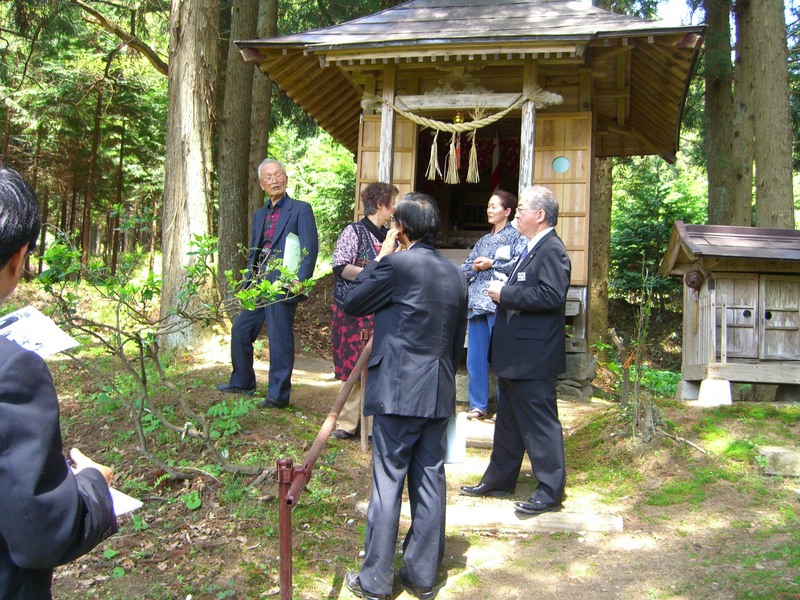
567 82
741 306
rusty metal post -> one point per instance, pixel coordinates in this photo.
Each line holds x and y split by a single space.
285 472
292 480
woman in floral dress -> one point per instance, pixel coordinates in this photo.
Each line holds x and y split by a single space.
493 257
358 244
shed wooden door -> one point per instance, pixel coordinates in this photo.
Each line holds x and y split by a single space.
737 298
762 315
779 317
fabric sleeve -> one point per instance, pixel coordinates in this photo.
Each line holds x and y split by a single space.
50 516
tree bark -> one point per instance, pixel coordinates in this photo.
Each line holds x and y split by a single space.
260 111
719 112
743 97
772 119
234 144
193 60
599 251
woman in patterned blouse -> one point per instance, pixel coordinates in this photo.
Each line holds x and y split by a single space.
358 244
493 257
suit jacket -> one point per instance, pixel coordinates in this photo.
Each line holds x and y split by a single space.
49 515
296 217
420 303
528 338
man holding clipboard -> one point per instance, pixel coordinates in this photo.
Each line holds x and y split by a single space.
282 229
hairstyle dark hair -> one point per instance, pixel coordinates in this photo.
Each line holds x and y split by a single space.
418 215
19 214
507 200
377 194
540 197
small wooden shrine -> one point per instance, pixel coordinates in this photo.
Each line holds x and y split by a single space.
741 305
457 97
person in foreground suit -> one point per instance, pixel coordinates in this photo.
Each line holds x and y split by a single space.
272 225
50 515
420 303
528 353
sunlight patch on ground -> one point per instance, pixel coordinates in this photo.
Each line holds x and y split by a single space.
632 543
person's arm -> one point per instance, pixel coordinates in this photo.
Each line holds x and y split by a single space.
549 291
371 290
309 241
517 244
50 516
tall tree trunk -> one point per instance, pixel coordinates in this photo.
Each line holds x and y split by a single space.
193 60
599 252
260 111
86 225
115 233
234 143
772 119
743 98
719 112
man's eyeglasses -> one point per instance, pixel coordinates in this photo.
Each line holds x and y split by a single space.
272 178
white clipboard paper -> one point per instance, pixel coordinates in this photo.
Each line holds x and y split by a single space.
35 332
123 503
291 252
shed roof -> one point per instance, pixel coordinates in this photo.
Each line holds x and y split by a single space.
315 68
690 244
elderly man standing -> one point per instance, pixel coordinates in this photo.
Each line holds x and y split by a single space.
50 514
528 353
281 218
420 303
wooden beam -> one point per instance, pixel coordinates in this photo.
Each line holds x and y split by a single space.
528 131
386 160
427 102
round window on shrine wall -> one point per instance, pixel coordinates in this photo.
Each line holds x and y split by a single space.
561 164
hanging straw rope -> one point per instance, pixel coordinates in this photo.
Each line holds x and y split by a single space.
538 96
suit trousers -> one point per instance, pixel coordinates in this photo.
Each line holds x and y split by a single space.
412 448
279 317
527 421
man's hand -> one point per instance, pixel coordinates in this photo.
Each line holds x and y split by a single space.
389 244
84 462
493 291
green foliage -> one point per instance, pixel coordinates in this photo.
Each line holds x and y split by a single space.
224 416
192 500
648 198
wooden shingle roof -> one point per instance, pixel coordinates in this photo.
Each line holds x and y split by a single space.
640 69
690 245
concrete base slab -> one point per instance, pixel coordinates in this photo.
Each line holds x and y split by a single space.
687 390
715 392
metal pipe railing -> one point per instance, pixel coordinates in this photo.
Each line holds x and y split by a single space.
293 480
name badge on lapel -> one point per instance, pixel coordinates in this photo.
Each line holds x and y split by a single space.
521 276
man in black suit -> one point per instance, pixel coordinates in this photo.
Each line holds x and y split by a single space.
50 514
528 353
420 303
281 218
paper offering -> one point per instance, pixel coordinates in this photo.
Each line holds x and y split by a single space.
35 332
123 503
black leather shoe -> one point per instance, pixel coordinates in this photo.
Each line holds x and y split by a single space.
423 593
354 585
483 490
272 403
341 434
232 389
537 507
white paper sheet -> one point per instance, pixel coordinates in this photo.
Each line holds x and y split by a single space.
35 332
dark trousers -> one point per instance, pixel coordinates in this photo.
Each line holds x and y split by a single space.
413 448
279 317
527 421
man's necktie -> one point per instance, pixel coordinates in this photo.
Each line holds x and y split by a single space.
519 262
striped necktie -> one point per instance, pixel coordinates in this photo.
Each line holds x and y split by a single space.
519 262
